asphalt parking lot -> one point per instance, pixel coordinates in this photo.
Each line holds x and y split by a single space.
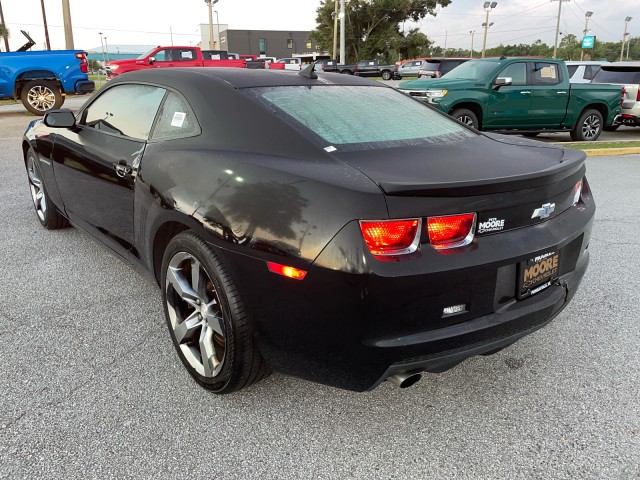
91 386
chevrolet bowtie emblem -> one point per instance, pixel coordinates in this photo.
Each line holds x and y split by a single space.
544 211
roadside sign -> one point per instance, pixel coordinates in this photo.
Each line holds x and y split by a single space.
588 41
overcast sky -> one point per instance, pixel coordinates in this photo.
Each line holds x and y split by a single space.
145 22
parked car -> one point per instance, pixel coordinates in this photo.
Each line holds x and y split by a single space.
410 68
627 76
284 235
520 95
582 71
373 68
347 68
42 79
171 57
437 67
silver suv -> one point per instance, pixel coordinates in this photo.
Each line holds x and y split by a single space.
627 75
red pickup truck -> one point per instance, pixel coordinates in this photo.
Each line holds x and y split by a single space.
166 57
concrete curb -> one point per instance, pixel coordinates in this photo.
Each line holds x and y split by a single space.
603 152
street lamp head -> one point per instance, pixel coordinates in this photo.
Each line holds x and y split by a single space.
588 14
484 24
494 4
487 5
628 19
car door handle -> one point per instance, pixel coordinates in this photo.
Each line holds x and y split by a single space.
526 92
562 93
122 169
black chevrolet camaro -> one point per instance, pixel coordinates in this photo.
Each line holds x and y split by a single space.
292 225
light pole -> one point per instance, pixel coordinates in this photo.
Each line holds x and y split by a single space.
106 47
210 4
46 28
217 42
587 16
4 36
335 29
488 6
555 45
343 57
472 33
104 60
624 37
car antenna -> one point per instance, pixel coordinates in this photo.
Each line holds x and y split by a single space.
309 71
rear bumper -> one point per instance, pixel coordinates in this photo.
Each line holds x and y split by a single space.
627 119
84 86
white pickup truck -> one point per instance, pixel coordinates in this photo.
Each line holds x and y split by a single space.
290 63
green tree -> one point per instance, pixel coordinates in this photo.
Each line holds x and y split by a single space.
372 27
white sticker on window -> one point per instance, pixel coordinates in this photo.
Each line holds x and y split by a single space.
330 149
178 119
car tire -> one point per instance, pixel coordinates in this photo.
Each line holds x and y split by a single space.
207 318
386 75
610 128
46 212
40 96
466 117
588 127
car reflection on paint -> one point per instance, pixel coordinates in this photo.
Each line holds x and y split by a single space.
290 230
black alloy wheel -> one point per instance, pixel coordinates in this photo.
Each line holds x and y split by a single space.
588 127
40 96
47 214
207 317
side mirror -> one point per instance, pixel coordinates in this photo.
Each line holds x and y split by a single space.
152 60
503 82
63 118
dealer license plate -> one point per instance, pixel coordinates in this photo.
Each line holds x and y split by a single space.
538 272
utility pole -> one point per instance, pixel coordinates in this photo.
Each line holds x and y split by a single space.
210 4
6 39
587 16
335 29
472 33
624 37
555 45
106 47
68 29
46 29
104 60
488 6
342 33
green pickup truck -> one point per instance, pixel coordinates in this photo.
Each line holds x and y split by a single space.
521 95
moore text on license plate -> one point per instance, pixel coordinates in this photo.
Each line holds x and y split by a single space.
537 273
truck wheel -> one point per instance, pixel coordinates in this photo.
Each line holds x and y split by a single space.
348 72
610 128
588 127
40 96
466 117
386 75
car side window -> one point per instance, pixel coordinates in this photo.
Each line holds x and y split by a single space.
517 72
590 71
128 110
184 54
162 56
175 120
545 73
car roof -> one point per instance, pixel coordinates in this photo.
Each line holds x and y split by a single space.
183 78
585 62
623 64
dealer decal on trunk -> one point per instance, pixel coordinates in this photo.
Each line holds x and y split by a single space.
491 225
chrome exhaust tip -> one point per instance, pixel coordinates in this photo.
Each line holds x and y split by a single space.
404 379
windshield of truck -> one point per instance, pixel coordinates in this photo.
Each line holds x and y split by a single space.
473 70
355 116
622 75
146 54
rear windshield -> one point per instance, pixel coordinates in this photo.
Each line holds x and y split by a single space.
431 66
473 70
624 75
360 117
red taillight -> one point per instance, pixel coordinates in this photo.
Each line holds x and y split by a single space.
84 65
391 237
638 97
451 231
286 271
